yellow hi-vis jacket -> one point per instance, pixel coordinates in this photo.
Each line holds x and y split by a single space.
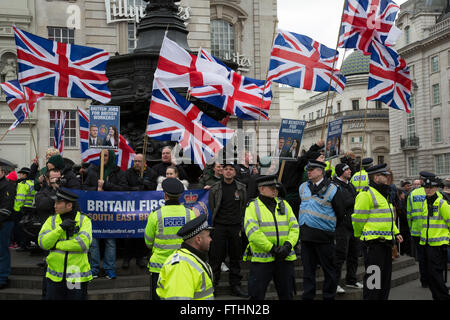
416 209
360 180
373 217
436 226
24 195
184 276
265 229
161 233
68 257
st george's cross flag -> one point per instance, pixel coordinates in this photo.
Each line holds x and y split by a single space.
389 79
301 62
364 21
173 118
177 68
61 69
250 100
20 100
124 154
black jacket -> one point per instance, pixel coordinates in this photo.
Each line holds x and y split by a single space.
215 198
116 181
69 179
7 196
160 170
136 183
348 193
44 202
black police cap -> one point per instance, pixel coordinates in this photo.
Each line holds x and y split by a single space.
378 169
430 181
367 161
194 227
269 180
426 174
63 194
24 170
172 187
312 164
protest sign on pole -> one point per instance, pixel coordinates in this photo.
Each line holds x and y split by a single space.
334 136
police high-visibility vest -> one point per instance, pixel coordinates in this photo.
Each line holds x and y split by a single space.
67 257
373 217
329 167
317 212
435 227
24 195
184 276
416 209
161 233
360 180
265 229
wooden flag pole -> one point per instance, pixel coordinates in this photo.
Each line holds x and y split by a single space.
4 135
102 165
144 149
31 131
325 119
364 140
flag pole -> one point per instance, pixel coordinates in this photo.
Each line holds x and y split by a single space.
4 135
325 119
364 141
144 148
31 130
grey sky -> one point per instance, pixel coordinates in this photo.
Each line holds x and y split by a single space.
317 19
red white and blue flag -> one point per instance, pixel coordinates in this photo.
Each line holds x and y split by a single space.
177 68
173 118
124 154
247 101
61 69
301 62
367 20
20 100
389 79
58 134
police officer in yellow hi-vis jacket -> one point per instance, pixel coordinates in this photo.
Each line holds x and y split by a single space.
186 274
272 231
374 223
162 227
434 238
68 235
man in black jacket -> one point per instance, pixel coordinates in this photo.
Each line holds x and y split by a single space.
167 161
7 196
347 246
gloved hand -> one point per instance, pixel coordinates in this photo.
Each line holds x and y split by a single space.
283 251
67 224
273 251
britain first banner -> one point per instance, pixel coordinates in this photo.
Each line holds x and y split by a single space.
125 214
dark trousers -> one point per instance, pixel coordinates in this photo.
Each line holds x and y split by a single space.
134 248
436 264
378 264
347 249
65 291
420 257
153 285
313 254
282 273
226 240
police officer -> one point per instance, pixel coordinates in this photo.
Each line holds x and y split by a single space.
374 223
272 231
415 211
186 274
434 238
68 235
321 210
360 179
162 227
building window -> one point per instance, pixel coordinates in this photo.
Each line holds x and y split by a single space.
222 39
339 107
357 139
442 163
70 131
412 166
380 159
407 35
436 93
437 130
435 64
355 104
132 38
61 34
411 121
378 105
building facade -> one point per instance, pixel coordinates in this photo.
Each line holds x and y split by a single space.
234 30
349 106
420 140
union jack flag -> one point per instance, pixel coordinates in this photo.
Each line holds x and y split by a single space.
60 126
389 79
173 118
20 100
301 62
124 155
61 69
366 20
245 102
